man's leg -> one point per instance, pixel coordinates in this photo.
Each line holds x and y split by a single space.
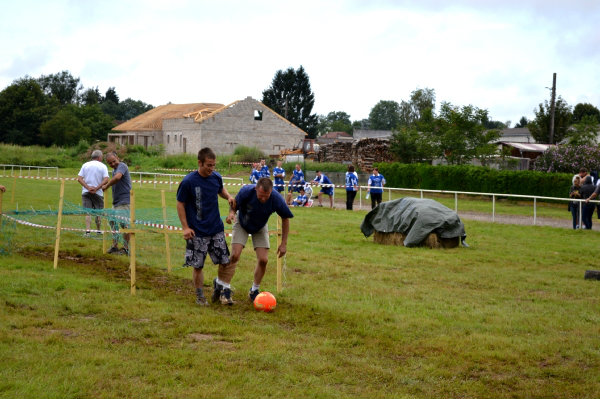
262 258
331 200
319 197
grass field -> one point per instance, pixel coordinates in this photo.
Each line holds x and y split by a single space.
510 316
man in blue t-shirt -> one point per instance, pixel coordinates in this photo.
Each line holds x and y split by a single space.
198 211
300 199
254 205
326 187
255 174
121 189
295 183
279 174
264 169
351 187
375 187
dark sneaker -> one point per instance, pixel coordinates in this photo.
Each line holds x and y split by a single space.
217 288
253 294
87 234
226 297
113 250
201 300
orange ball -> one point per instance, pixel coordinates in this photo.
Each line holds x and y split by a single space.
265 301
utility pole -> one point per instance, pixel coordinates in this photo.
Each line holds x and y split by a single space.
552 108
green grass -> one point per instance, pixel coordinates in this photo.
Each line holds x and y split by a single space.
511 316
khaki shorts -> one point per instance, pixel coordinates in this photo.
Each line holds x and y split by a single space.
260 239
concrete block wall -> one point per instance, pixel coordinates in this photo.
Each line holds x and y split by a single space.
231 127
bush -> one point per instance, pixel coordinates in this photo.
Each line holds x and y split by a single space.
569 159
475 179
248 154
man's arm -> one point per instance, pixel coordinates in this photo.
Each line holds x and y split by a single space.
81 181
187 231
594 194
285 229
113 181
232 205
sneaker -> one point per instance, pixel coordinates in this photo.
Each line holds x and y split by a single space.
201 300
226 297
87 234
253 294
217 288
113 250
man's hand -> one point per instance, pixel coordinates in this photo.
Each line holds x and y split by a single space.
229 219
188 233
231 201
281 250
93 190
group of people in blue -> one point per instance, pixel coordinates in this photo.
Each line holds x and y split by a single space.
298 184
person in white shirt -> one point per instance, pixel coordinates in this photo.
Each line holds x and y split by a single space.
92 176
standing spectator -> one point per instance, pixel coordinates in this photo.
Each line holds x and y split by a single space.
255 174
326 187
295 183
279 175
583 173
574 205
351 186
587 191
375 187
264 169
254 206
198 211
121 189
92 176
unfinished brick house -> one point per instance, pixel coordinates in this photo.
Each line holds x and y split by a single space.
186 128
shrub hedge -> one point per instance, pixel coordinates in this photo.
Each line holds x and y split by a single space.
475 179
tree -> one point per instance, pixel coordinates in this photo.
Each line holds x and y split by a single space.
290 95
540 126
336 121
91 97
585 132
412 111
64 128
584 109
385 115
23 108
98 123
62 87
522 122
111 95
460 134
411 146
131 108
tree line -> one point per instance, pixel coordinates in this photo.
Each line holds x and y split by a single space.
57 110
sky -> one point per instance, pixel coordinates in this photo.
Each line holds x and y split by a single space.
495 55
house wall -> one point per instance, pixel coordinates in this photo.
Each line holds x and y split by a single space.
231 127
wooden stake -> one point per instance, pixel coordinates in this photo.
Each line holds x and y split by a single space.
132 243
167 244
12 194
279 267
59 222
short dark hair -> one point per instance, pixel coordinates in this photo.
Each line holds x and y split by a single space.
205 153
376 169
582 170
265 183
350 168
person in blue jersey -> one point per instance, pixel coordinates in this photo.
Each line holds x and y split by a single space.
203 229
326 187
264 169
296 182
254 174
351 187
279 175
254 204
300 199
375 187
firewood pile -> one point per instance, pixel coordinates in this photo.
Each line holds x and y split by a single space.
362 153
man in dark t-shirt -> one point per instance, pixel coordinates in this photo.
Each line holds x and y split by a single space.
254 205
121 189
198 211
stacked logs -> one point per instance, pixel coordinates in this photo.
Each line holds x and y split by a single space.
361 153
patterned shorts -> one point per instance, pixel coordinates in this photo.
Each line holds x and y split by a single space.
197 248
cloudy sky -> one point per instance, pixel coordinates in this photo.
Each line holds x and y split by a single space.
497 55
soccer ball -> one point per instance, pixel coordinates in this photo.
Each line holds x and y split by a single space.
265 301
